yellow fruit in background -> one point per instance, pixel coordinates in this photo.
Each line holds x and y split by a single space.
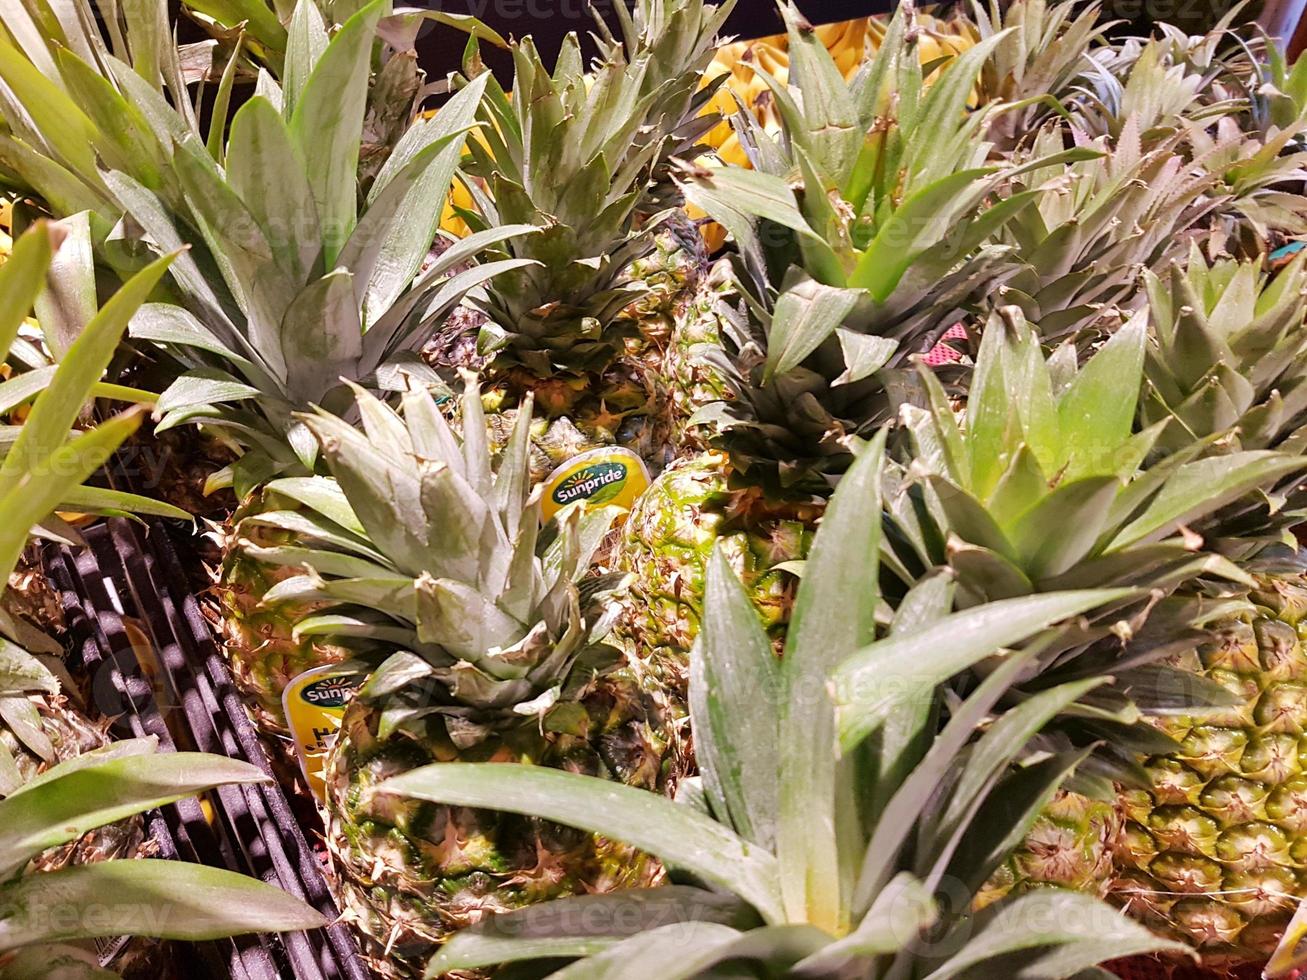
459 197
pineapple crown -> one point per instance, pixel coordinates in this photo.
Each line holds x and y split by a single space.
1042 485
290 282
574 153
418 541
1147 80
1077 249
1227 353
1044 54
881 186
836 809
804 389
255 37
1204 90
841 286
882 244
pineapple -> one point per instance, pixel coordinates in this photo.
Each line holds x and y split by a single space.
256 632
691 366
493 638
582 157
1041 487
1071 844
826 839
281 295
688 510
1215 843
830 294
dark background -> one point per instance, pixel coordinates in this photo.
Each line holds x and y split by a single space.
549 21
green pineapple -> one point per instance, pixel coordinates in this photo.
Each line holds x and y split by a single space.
256 632
493 634
582 157
281 295
691 367
686 512
1042 486
826 838
1071 844
834 294
1216 838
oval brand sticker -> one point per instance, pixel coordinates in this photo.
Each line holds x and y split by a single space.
596 484
597 477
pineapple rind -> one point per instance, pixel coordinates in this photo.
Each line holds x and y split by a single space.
257 637
1215 847
691 380
411 873
1071 845
671 533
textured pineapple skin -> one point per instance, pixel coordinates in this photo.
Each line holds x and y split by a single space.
410 873
574 413
670 272
676 274
669 537
1071 845
258 639
1215 848
692 382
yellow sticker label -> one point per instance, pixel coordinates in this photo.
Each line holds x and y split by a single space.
315 704
600 477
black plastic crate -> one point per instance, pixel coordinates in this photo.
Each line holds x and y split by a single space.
129 587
